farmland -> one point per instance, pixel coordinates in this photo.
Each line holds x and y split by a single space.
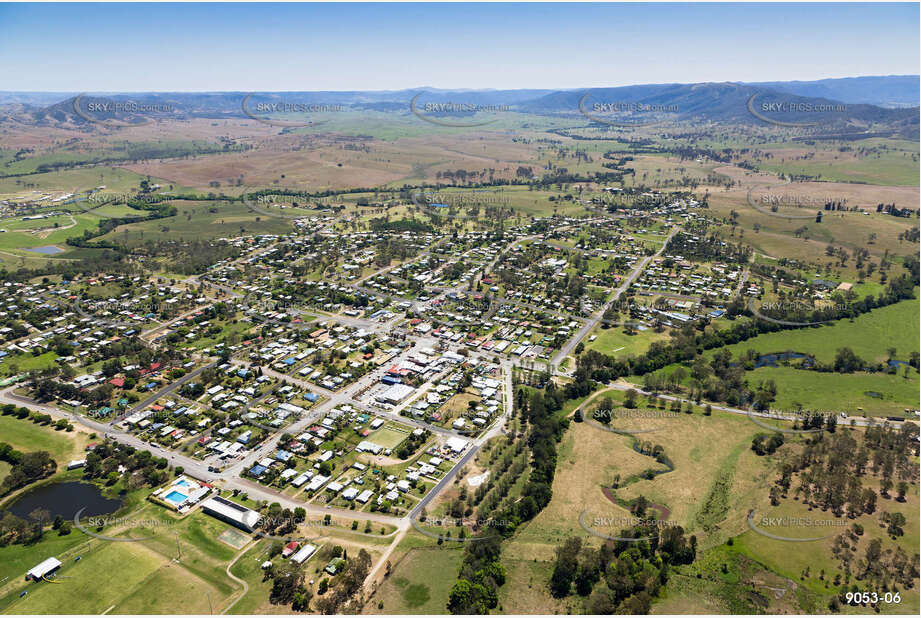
371 349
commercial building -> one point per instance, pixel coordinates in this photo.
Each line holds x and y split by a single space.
231 512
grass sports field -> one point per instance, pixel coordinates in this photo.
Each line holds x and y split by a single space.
615 341
388 436
155 583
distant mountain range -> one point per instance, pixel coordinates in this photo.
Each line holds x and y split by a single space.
890 102
885 91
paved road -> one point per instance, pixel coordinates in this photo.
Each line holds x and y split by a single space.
596 317
169 388
846 420
497 428
228 478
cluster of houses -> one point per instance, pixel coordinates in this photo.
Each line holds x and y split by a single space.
331 462
143 302
225 419
716 281
512 330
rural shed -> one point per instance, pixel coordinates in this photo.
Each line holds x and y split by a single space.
305 552
43 568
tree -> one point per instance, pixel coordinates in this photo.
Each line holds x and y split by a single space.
461 597
846 361
288 579
601 602
566 565
301 601
630 398
896 523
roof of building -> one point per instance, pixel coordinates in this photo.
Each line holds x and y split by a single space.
456 444
44 567
231 510
303 553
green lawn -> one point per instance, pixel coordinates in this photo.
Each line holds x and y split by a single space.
82 587
888 169
388 436
149 579
790 559
615 341
27 436
15 560
840 392
20 363
247 568
869 335
200 220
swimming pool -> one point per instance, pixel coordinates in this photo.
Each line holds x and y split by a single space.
176 497
182 483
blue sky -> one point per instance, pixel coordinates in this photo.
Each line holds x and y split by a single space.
250 47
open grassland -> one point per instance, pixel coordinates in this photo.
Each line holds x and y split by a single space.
16 560
722 581
898 167
526 589
114 179
709 488
247 567
792 559
84 153
860 393
146 582
870 336
19 363
27 436
777 235
420 581
615 341
808 197
199 221
577 486
895 162
665 171
338 160
22 235
837 392
707 493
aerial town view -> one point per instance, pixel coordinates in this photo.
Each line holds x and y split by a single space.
439 308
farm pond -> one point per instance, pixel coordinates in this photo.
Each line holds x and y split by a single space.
64 499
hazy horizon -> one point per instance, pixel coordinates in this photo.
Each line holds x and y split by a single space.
446 89
243 47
